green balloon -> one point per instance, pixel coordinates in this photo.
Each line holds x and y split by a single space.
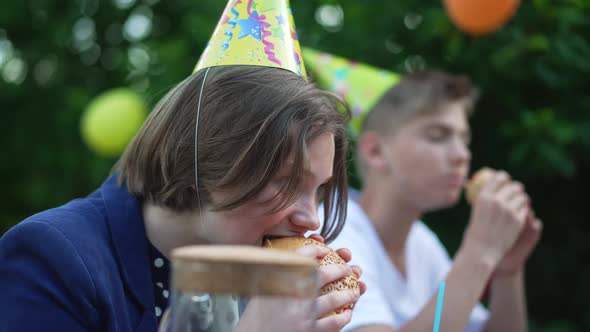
111 120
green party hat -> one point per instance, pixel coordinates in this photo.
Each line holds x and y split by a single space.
359 84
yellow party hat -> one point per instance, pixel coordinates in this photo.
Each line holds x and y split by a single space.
255 32
359 84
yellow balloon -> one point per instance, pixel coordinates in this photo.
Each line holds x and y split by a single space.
111 120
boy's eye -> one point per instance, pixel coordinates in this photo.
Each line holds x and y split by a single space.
436 134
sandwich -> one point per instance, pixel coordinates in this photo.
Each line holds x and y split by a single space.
292 243
477 182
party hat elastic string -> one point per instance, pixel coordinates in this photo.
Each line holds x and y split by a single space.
251 33
197 146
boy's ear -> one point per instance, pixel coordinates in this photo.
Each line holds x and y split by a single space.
371 151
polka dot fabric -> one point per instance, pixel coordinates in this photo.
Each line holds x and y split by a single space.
160 267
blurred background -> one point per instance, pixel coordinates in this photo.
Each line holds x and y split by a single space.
532 118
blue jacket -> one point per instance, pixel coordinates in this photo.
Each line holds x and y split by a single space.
83 266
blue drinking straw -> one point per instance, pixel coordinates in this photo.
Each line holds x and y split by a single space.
439 306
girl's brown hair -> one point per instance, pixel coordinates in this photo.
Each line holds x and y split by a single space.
251 119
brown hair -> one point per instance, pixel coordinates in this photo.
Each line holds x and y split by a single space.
251 119
416 94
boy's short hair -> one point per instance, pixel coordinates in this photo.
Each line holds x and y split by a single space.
417 94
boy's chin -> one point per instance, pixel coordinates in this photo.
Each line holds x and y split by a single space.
445 202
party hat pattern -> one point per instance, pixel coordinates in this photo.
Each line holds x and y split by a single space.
255 32
359 84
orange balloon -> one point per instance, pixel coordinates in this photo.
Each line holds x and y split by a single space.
479 17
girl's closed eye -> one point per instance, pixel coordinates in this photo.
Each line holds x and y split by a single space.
271 190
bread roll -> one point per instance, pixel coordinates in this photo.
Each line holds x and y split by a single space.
478 180
292 243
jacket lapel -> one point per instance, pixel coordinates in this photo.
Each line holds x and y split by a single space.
129 237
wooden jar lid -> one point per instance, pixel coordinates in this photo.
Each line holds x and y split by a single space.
243 270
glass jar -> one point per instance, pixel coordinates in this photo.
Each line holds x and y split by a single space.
241 288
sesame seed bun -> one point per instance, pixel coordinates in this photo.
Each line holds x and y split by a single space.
292 243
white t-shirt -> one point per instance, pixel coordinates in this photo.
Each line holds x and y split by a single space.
391 299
